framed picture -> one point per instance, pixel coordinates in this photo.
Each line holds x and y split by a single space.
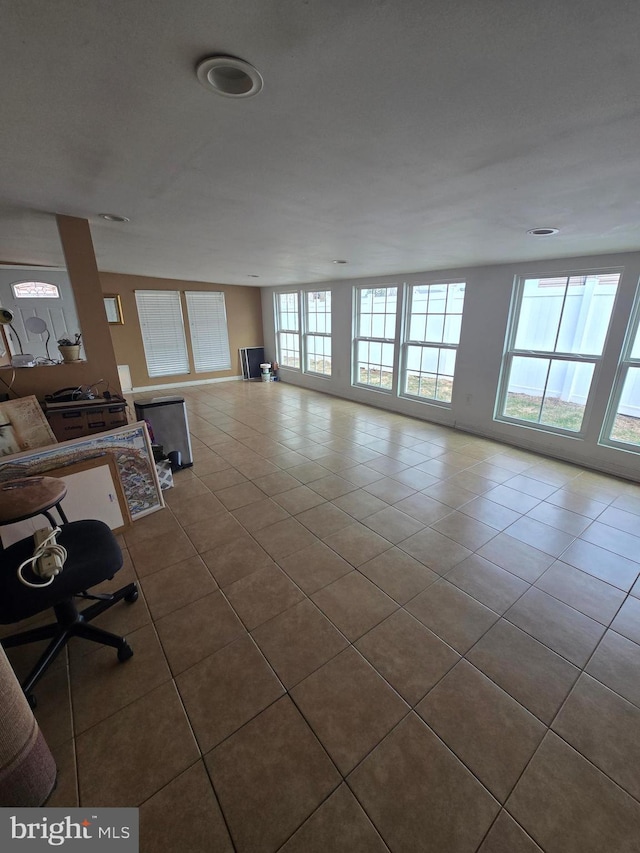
131 449
23 426
113 309
94 490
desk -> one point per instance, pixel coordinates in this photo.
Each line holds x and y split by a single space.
28 496
85 417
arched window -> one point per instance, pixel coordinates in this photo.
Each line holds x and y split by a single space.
35 290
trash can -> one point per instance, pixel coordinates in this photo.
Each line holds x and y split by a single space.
168 419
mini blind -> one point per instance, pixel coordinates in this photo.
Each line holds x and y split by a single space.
208 328
165 348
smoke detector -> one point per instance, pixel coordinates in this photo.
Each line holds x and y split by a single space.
229 77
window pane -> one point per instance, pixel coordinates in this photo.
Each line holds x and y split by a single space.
289 349
429 372
35 290
435 329
540 313
374 364
626 425
525 388
319 354
452 327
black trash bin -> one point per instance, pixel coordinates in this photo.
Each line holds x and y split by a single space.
168 419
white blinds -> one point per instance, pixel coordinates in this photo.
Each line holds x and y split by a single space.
165 348
208 327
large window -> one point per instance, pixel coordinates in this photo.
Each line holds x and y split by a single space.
376 315
317 334
288 329
208 328
165 347
434 320
558 331
622 424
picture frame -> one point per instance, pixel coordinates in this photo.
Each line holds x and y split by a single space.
113 309
131 449
93 489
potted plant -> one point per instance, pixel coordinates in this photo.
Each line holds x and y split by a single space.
70 349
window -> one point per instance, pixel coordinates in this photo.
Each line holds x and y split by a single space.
559 326
208 328
622 424
165 348
376 315
35 290
288 329
432 336
317 337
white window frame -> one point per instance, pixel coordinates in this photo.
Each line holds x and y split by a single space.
162 328
511 352
360 338
52 292
427 344
308 334
282 330
625 363
208 329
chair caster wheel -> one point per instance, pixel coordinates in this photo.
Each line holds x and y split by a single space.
125 652
131 597
33 702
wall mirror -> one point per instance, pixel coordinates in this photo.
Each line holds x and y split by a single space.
113 309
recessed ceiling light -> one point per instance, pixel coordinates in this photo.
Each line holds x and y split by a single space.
229 77
339 262
543 232
114 217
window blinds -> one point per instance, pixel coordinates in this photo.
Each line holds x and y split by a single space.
208 327
165 348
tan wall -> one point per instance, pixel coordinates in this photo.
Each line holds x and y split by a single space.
244 320
100 360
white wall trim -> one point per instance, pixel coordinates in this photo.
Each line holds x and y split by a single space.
180 384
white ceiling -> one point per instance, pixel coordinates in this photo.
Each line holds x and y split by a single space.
402 135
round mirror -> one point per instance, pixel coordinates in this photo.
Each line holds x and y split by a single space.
36 325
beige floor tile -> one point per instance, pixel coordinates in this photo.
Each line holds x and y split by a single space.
198 508
243 494
534 675
298 641
616 663
349 707
270 776
298 500
359 504
65 793
273 484
284 538
492 586
151 526
491 513
453 615
524 561
562 519
390 491
357 544
415 479
354 604
569 633
606 729
151 738
223 479
590 596
102 685
548 539
332 486
261 514
324 519
602 564
472 482
201 628
618 541
568 806
307 472
196 824
487 729
409 656
236 559
176 586
339 825
506 836
627 622
392 524
225 690
576 503
262 595
512 499
315 567
418 768
53 710
530 486
437 552
360 475
398 574
466 531
449 494
160 551
423 508
206 535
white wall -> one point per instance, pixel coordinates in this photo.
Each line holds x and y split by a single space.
484 327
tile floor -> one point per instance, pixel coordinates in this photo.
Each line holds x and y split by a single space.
362 632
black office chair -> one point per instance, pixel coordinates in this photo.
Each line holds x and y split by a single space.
93 556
